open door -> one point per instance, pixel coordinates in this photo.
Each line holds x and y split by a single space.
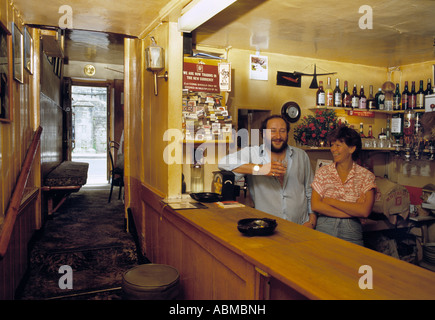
68 132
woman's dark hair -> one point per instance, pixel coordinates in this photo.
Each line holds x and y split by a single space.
349 136
264 123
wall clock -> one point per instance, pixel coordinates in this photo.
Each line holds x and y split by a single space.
89 70
291 111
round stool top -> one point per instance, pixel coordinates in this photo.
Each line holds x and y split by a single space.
151 275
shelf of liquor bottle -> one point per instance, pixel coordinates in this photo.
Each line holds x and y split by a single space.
358 109
308 148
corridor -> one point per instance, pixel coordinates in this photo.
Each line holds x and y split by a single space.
88 234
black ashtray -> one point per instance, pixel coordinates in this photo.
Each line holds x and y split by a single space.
256 226
206 196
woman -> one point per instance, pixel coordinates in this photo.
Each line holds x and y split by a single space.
343 192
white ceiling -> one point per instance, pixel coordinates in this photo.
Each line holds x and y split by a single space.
403 31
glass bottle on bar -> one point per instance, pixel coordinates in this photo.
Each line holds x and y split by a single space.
428 88
346 101
397 98
329 95
354 97
397 126
412 97
371 100
405 97
380 100
361 130
388 133
382 138
408 125
362 104
337 94
320 95
420 97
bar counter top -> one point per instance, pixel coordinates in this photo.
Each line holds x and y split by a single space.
313 264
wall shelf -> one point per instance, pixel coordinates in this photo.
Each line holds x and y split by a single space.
357 109
307 148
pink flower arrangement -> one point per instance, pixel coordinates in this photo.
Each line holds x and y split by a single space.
316 128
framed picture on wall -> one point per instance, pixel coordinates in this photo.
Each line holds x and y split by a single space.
28 51
5 74
17 45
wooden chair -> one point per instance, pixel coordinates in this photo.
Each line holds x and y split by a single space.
117 174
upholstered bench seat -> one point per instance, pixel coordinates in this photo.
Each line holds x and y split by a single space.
68 173
64 179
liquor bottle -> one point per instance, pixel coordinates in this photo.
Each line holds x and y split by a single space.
397 97
362 99
354 97
388 130
405 98
418 128
429 88
382 137
320 95
346 101
397 126
329 95
371 100
380 99
361 130
412 97
408 125
337 94
370 133
420 97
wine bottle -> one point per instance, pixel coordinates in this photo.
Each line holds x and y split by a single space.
361 130
382 138
420 97
362 99
354 97
371 100
329 95
405 98
408 122
320 95
370 133
397 97
428 88
346 101
337 94
412 97
397 125
380 100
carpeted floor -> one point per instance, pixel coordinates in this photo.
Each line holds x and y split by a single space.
88 234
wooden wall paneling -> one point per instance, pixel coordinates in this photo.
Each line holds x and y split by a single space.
207 269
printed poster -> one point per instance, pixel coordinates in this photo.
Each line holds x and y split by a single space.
258 67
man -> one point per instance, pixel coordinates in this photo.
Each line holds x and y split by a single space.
279 176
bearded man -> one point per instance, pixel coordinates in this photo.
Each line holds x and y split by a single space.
279 176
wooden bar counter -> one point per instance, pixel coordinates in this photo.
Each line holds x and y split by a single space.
216 261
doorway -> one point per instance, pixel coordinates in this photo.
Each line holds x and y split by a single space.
89 130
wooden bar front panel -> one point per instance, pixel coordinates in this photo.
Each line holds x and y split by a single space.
216 261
